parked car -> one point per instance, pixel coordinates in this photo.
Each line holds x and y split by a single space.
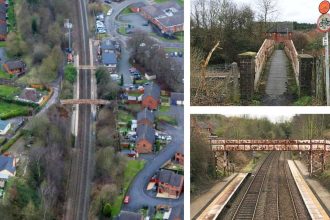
100 24
109 12
132 69
108 1
180 54
101 30
126 200
100 17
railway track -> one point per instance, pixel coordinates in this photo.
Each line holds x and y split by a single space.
79 181
271 194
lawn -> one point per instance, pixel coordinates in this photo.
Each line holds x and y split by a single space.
126 11
133 167
122 30
164 108
2 43
10 110
124 116
167 119
4 75
9 92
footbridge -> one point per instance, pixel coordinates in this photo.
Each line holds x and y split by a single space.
252 65
84 102
317 150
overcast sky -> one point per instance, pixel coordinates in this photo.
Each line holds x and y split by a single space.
293 10
272 116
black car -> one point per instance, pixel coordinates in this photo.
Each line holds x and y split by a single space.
107 1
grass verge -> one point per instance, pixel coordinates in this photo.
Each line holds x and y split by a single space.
132 169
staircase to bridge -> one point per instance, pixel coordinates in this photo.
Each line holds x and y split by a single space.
274 64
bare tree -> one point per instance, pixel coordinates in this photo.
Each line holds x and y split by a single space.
267 8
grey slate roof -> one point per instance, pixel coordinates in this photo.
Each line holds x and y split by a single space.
137 5
152 90
3 8
3 16
146 114
176 19
145 132
170 177
6 163
3 124
125 215
3 29
281 27
109 58
15 64
177 96
107 45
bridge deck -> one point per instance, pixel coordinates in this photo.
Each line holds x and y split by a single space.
313 205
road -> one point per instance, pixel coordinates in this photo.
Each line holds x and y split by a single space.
137 192
80 173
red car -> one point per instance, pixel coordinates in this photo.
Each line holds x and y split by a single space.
126 200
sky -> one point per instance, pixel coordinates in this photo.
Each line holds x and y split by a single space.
292 10
272 116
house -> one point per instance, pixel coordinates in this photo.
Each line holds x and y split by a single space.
3 8
177 98
7 169
4 127
280 31
145 117
145 139
136 7
15 67
3 18
151 97
167 16
30 95
109 60
3 31
107 46
126 215
170 183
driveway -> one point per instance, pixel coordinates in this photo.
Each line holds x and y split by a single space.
137 191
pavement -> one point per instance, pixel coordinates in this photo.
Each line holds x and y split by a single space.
203 200
137 192
277 79
321 192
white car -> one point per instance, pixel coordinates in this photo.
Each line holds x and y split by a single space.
100 24
109 12
101 31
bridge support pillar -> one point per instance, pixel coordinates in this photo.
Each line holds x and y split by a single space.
306 63
316 162
221 161
247 74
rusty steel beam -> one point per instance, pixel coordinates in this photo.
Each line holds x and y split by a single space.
84 102
269 145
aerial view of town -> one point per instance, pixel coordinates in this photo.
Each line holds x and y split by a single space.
91 109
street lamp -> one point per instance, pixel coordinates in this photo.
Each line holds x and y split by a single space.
68 26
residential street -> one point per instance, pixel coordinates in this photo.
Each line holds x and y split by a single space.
137 191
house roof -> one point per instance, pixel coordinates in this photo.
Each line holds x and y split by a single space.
107 45
177 96
152 90
109 58
170 177
125 215
30 94
146 114
137 5
145 132
3 28
169 21
168 13
3 8
7 163
15 64
3 124
281 27
3 16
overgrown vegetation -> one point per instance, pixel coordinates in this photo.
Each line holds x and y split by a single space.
147 53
